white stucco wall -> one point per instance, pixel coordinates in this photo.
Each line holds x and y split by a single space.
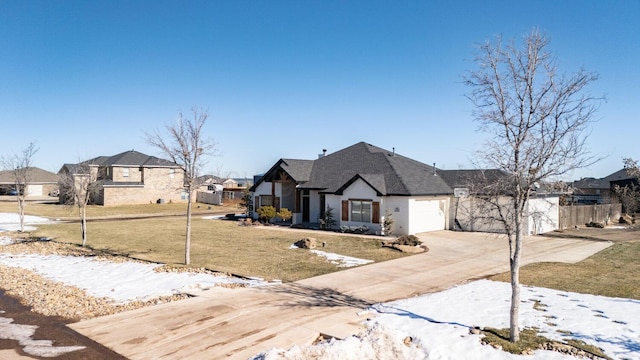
544 215
474 215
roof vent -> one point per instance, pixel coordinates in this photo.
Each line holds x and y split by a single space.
324 153
394 152
434 170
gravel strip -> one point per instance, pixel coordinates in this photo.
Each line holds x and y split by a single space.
53 298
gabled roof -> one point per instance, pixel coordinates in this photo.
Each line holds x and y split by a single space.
385 171
603 183
130 158
467 178
36 175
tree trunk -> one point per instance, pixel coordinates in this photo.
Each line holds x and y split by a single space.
187 245
83 224
21 211
514 330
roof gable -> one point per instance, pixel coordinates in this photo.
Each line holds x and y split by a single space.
387 172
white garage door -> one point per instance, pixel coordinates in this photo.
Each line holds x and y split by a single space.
428 215
34 190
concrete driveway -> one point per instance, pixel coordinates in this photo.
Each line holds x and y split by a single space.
239 323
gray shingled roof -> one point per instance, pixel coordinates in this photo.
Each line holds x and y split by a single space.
387 172
130 158
36 175
468 178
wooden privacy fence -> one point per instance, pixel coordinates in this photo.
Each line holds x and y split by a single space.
570 216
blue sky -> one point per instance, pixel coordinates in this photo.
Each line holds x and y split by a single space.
285 79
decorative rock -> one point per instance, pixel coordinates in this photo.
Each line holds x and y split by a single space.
306 243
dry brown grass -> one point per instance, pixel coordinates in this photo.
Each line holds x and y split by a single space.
220 245
64 212
613 272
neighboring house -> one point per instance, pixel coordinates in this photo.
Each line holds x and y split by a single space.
471 213
362 184
42 182
132 177
599 191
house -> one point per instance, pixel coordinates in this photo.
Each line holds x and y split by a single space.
362 184
599 191
359 185
41 183
132 177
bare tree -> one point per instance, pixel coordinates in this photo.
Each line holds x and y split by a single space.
79 186
20 165
185 145
537 121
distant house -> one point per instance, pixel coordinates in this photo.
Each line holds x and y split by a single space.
132 177
362 184
42 182
599 191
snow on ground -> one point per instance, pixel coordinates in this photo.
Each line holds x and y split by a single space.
341 261
439 325
11 222
122 282
24 335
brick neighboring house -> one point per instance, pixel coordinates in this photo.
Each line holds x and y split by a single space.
42 182
132 177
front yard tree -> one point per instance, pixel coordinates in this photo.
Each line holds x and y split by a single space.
184 143
78 186
629 193
536 120
20 165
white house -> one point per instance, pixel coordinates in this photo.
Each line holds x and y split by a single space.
359 185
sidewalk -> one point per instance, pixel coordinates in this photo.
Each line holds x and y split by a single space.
239 323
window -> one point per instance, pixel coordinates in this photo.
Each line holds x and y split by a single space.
361 211
125 172
266 200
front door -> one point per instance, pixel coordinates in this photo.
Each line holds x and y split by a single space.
305 209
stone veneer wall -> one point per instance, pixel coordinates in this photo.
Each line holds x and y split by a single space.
158 184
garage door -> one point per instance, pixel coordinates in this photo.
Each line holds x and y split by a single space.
428 215
34 190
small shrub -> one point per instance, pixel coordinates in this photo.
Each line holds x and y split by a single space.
410 240
284 214
354 229
594 225
266 213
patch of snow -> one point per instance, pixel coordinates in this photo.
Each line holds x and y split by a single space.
24 333
438 325
4 240
341 261
11 222
122 282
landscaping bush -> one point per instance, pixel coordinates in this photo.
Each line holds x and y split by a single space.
266 213
410 240
284 214
594 225
354 229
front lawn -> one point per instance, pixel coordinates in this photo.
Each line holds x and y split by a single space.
221 245
613 272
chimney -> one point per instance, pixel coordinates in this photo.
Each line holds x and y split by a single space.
324 153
